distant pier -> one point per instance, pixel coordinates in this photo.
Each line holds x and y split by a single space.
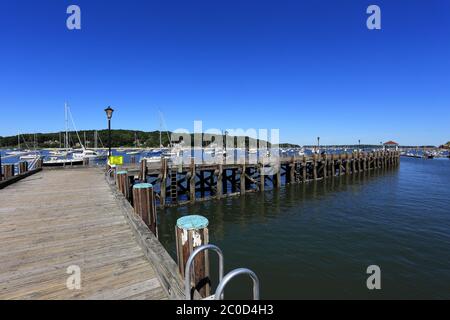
181 184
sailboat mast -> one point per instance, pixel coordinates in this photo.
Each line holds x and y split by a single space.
66 139
160 128
18 140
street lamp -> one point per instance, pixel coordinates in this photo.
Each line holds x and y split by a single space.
359 145
109 112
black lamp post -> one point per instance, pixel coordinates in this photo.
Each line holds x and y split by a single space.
109 112
359 145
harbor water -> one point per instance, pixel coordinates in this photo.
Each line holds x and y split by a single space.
316 240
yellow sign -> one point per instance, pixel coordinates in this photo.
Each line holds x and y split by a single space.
117 160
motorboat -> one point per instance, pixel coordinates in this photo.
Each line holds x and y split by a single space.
89 154
58 162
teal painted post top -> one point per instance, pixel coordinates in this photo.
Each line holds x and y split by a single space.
121 172
142 186
193 222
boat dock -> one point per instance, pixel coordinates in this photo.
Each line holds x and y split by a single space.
185 183
58 220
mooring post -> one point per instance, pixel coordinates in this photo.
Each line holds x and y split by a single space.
262 180
314 164
123 183
86 162
354 157
333 168
23 167
325 166
143 170
219 183
8 171
242 178
292 170
192 181
364 161
278 174
347 163
304 172
191 232
133 159
144 205
339 162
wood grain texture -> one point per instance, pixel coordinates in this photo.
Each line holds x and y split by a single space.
58 218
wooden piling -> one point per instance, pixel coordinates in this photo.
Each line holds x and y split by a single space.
314 164
192 232
23 167
278 176
123 183
192 181
242 178
143 170
354 157
219 183
347 164
304 173
333 168
8 171
292 170
144 205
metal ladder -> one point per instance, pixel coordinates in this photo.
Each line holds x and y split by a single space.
173 186
223 280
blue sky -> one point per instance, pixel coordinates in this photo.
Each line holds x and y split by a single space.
309 68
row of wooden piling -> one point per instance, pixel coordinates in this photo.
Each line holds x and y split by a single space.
190 234
8 171
199 182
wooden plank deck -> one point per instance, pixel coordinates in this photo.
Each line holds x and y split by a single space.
58 218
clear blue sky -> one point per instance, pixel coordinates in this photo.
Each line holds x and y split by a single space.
309 68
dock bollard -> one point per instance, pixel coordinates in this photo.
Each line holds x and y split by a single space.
8 171
23 167
123 183
191 232
144 205
143 170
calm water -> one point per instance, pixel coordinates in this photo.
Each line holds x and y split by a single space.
316 240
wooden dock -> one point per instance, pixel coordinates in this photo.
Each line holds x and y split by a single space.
61 218
180 184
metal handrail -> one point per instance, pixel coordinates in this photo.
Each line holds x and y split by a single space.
187 273
108 175
220 288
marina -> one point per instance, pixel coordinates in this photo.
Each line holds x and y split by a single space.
241 152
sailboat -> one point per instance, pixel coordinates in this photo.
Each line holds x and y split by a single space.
134 152
56 161
18 151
